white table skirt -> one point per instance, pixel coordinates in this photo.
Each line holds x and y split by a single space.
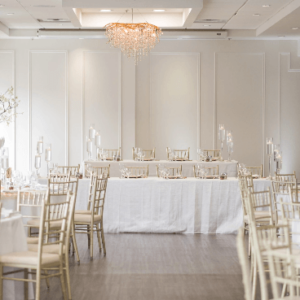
179 205
187 166
13 239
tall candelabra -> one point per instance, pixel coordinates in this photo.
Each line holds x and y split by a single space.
48 156
229 140
269 150
98 144
222 136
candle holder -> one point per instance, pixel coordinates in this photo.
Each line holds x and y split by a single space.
89 148
278 162
40 145
97 143
222 136
229 141
4 163
269 150
48 156
92 132
37 163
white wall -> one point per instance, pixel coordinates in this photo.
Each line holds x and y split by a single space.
175 97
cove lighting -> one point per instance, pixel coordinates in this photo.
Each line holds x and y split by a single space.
105 10
256 15
206 25
295 28
10 14
158 10
266 5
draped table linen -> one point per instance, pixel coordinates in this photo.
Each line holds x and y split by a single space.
187 166
13 239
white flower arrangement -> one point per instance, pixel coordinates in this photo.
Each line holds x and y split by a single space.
8 103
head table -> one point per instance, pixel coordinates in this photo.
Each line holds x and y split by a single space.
229 167
167 206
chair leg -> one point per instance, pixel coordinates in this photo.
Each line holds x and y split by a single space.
1 282
75 243
103 239
47 279
91 241
254 278
88 235
68 275
26 284
98 236
62 280
38 284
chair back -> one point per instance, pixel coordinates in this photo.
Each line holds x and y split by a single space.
138 171
98 199
174 171
244 262
54 213
98 171
283 272
29 204
111 152
255 170
72 170
149 154
214 153
179 153
60 177
286 177
212 171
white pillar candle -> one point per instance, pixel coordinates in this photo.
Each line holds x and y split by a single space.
37 161
92 132
40 145
4 162
98 140
48 154
89 146
269 147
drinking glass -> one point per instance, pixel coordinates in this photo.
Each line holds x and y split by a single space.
37 163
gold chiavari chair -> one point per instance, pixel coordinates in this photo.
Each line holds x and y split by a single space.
72 170
60 177
99 171
283 273
255 170
54 248
142 171
149 154
244 262
111 152
212 171
29 204
40 260
174 171
213 153
88 223
286 177
183 154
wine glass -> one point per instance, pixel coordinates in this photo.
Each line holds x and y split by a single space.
37 163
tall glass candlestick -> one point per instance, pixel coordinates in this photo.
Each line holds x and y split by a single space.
48 155
40 145
278 162
97 144
229 141
92 132
89 148
269 150
37 163
222 136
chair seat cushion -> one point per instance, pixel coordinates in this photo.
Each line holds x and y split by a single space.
54 249
32 240
36 223
28 258
84 218
85 212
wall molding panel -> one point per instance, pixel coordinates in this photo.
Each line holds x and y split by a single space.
197 57
262 105
117 87
30 107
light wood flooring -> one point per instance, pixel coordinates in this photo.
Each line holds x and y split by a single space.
155 267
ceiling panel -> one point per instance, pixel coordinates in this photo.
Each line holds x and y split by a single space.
123 10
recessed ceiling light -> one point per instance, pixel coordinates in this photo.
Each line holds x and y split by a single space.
295 28
266 5
256 15
206 25
10 14
158 10
105 10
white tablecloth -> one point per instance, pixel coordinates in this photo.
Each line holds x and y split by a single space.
187 166
13 239
179 205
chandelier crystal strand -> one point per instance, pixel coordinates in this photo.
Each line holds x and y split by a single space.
134 39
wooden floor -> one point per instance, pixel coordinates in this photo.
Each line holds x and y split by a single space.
155 266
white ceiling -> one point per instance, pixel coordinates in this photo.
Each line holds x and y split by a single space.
241 18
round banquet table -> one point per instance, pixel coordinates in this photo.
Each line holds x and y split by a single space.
13 239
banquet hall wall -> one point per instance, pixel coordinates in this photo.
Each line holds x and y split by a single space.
175 97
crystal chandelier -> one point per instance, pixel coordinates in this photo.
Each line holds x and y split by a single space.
134 39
